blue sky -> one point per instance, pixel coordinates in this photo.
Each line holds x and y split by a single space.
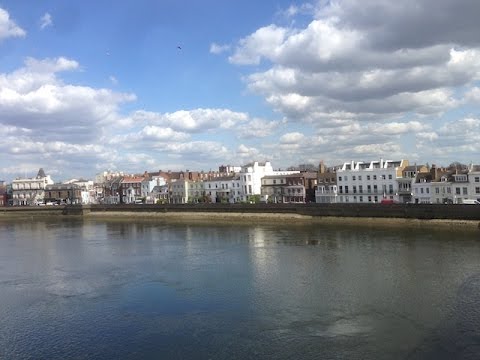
94 85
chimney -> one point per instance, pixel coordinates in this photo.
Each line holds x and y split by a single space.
322 167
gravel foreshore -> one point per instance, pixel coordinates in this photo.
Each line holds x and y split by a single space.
286 219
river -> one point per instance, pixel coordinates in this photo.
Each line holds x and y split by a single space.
82 289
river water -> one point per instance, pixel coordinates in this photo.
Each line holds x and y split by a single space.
147 290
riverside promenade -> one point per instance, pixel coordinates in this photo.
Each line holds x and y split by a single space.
437 215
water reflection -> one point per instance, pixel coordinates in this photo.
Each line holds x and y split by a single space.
151 289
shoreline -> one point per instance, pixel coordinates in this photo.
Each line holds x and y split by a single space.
431 217
285 219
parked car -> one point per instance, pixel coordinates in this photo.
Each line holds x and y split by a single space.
471 202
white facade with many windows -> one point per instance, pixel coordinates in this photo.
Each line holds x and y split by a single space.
223 189
30 191
251 178
369 182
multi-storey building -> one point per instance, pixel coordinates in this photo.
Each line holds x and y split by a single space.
474 182
196 191
63 194
446 186
223 189
326 191
273 188
251 178
179 191
409 174
3 193
369 182
30 191
291 188
131 189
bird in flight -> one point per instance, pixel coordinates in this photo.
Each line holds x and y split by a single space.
179 47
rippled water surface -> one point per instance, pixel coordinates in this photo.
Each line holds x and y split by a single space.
144 290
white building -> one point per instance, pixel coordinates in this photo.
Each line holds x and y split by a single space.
88 193
30 191
196 191
326 194
223 189
179 191
250 178
369 182
474 182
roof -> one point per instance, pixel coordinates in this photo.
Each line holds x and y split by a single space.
412 167
132 179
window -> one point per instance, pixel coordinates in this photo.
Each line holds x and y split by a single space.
457 191
353 178
374 177
449 190
354 189
421 190
369 199
360 189
339 178
274 181
427 190
390 176
340 189
346 189
390 189
477 190
368 177
375 189
437 190
361 198
360 177
477 178
383 177
465 191
376 198
369 188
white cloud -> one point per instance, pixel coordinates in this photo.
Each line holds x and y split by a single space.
45 21
258 128
262 43
8 28
340 66
292 138
218 49
247 153
194 121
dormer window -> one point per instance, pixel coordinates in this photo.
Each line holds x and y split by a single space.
460 178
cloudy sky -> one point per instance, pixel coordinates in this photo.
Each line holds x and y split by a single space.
87 86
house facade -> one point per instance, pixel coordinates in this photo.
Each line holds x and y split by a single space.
63 194
30 191
369 182
326 191
131 189
251 175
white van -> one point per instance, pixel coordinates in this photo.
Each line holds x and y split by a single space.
471 202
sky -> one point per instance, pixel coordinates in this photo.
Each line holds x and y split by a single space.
89 86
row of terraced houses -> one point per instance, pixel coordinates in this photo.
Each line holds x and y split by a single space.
353 182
